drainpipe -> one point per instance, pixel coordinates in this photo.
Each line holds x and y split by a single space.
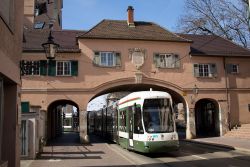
227 93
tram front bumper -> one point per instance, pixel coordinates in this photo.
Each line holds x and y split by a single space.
160 146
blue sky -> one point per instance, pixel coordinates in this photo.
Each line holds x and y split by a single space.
84 14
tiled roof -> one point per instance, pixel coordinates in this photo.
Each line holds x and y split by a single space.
33 40
212 45
119 29
202 45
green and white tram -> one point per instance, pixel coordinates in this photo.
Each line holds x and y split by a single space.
146 122
141 121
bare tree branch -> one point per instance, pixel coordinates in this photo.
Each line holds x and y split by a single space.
225 18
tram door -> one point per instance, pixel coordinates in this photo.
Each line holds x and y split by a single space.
130 126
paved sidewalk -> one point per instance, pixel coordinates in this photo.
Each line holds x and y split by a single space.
69 153
226 142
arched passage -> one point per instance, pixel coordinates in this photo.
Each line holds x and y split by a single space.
175 92
207 118
62 117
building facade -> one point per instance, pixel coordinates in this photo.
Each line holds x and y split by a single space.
40 16
11 22
208 75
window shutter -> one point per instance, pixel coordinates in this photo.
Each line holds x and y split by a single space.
52 68
22 71
229 68
43 67
238 70
177 61
25 107
74 68
118 59
29 67
196 70
96 59
213 70
156 60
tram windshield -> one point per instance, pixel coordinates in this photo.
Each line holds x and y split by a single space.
158 116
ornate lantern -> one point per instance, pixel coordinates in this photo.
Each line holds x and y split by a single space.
50 47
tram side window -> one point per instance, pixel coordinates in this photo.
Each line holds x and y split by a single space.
138 121
122 117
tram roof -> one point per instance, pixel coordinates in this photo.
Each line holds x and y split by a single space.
144 95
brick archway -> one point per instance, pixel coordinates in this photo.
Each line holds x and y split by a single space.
207 119
54 117
129 84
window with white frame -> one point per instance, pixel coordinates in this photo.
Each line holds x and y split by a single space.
232 68
166 60
30 67
63 68
107 59
205 70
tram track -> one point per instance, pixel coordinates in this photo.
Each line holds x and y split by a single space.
135 158
189 155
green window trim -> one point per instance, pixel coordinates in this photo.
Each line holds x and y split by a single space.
51 68
25 107
43 67
74 68
48 68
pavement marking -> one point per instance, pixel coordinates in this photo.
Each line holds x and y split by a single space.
54 160
190 154
197 156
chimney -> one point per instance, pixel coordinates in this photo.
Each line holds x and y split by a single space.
130 20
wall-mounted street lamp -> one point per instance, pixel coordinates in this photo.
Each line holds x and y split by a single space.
50 47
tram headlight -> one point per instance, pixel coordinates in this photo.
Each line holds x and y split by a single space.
174 137
150 138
